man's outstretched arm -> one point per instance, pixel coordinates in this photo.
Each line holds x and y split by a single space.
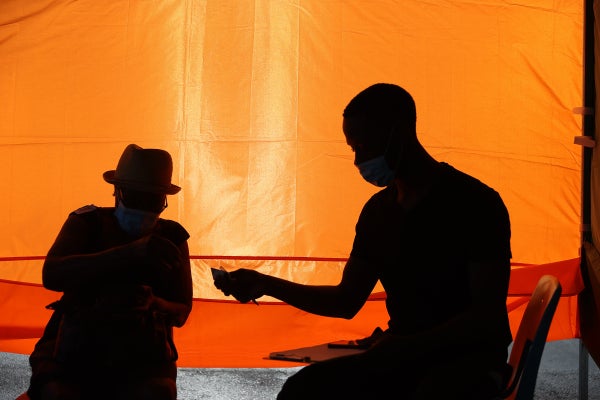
343 300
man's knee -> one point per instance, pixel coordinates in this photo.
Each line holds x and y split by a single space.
152 389
55 390
460 381
292 388
325 381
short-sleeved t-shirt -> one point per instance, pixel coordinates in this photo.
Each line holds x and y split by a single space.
421 256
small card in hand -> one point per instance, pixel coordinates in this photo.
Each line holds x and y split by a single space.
219 274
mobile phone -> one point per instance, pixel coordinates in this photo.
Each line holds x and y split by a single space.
219 274
347 344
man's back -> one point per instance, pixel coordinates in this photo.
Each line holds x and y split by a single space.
422 254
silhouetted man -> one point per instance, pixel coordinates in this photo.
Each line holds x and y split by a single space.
439 242
126 282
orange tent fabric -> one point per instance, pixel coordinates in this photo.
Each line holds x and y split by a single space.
228 334
247 96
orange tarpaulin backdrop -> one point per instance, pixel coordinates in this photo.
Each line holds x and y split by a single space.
247 97
226 334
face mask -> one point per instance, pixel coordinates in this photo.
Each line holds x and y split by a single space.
135 222
376 171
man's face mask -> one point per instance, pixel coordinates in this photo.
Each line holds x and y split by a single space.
376 171
135 222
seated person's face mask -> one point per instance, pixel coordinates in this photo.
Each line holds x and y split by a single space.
376 171
142 214
136 223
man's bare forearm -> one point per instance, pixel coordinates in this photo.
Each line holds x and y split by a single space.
325 300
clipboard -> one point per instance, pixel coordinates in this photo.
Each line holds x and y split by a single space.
313 354
327 351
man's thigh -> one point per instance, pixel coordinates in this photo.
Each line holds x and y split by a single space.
471 377
352 377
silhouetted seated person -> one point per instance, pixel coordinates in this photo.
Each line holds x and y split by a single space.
126 282
438 240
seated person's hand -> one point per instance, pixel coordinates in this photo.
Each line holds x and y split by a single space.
375 337
145 297
401 347
243 284
125 297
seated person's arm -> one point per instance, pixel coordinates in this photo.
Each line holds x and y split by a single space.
343 300
69 266
179 309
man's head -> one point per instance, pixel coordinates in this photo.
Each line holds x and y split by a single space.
147 170
384 103
142 178
380 123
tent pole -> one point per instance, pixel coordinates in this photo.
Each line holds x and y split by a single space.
588 130
588 120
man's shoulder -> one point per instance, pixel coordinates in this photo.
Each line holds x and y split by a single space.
92 212
173 230
452 173
383 196
459 180
85 209
462 191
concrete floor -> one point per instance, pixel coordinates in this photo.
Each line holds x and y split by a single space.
558 378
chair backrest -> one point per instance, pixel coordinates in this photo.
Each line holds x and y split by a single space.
528 344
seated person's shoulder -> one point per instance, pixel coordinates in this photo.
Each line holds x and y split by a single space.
468 187
173 230
85 209
92 213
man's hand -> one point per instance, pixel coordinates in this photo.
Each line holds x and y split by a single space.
161 252
126 297
144 297
405 348
243 284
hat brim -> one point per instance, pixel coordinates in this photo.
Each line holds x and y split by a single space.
109 176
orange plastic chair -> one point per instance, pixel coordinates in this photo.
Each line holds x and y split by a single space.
529 342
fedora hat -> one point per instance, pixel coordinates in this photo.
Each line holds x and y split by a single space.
147 170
